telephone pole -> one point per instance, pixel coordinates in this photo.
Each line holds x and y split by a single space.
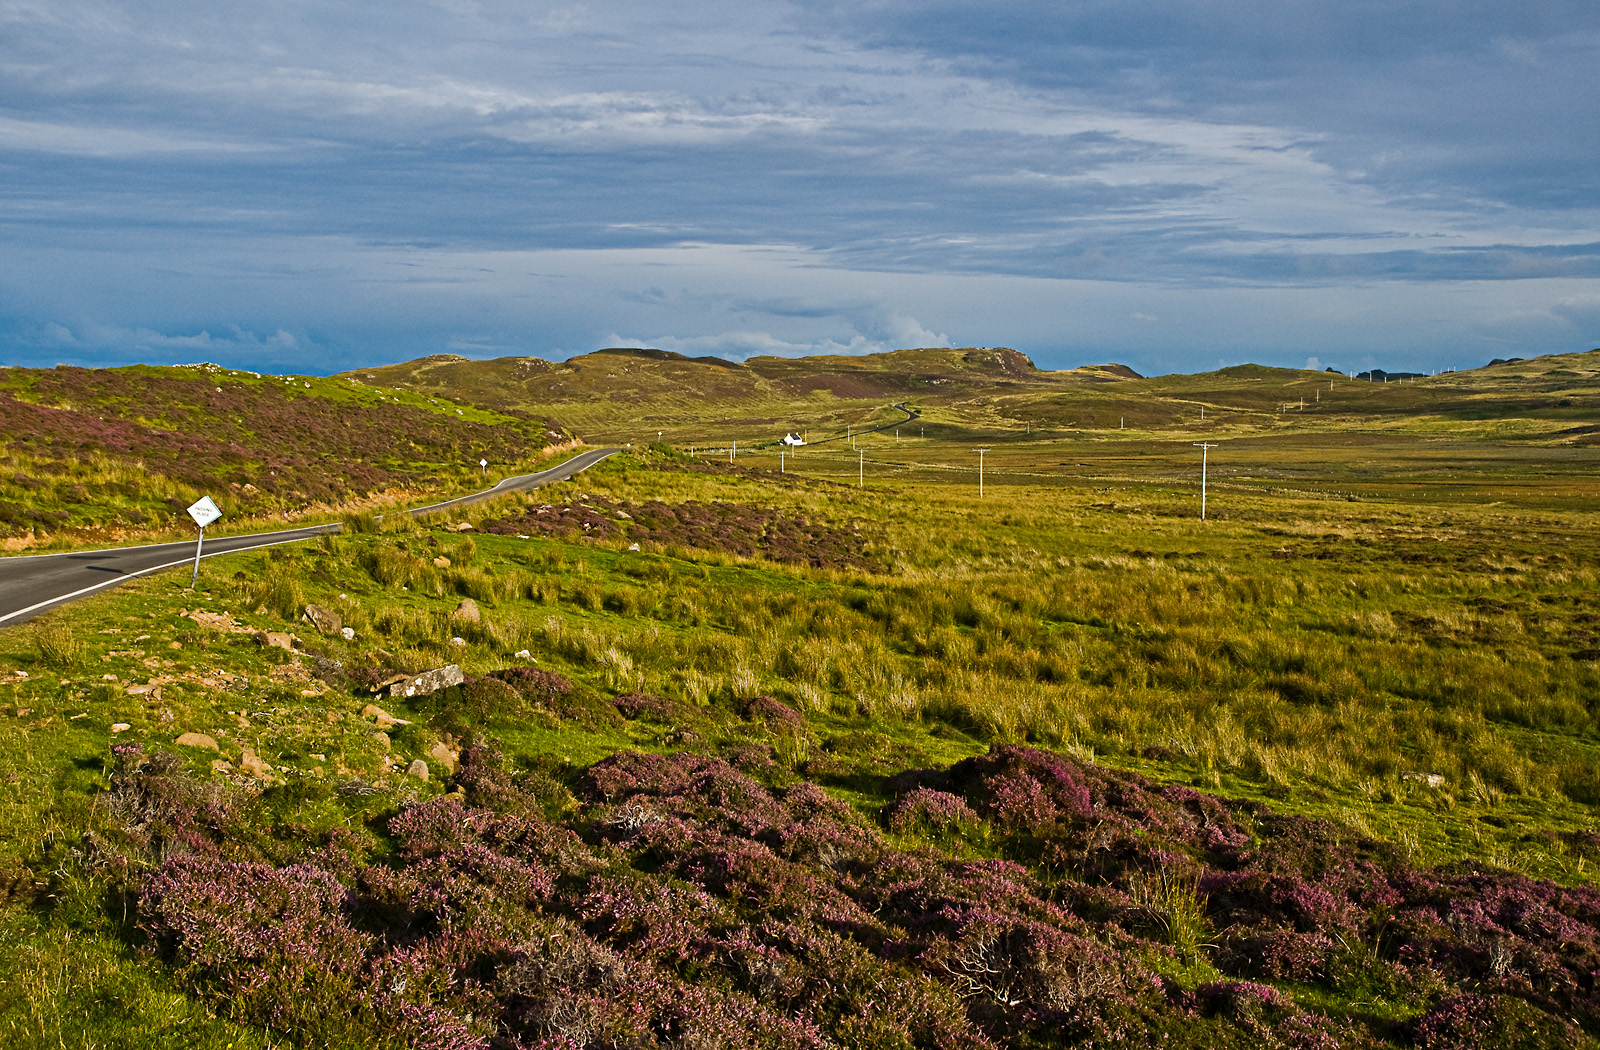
1205 449
980 452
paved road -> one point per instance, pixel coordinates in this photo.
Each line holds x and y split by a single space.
912 414
31 584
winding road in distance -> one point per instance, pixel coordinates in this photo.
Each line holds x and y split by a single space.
31 584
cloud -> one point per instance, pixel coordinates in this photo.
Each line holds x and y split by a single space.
852 172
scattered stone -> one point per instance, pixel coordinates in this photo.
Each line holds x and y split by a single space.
218 622
467 612
1433 780
633 546
522 654
382 740
445 757
324 619
254 765
120 727
221 765
429 681
385 719
149 687
197 740
441 562
458 641
391 680
105 678
418 768
348 633
464 527
269 639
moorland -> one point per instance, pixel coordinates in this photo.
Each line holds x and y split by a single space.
813 747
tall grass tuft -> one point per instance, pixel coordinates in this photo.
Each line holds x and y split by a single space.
58 644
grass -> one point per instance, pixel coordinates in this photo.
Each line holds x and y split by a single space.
1388 623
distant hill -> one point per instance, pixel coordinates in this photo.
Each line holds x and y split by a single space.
629 394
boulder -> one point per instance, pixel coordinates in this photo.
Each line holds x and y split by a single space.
445 757
429 681
467 612
325 620
382 740
269 639
254 765
441 562
418 768
197 740
120 727
384 719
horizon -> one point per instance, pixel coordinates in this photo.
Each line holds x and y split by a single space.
1172 186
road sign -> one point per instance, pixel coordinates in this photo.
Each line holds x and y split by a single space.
204 512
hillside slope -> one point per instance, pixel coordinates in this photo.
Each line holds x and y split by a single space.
120 448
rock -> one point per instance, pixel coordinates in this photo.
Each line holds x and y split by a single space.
429 681
150 689
467 612
522 654
221 765
382 740
441 562
418 768
217 621
197 740
1433 780
348 633
253 764
121 727
269 639
458 641
443 756
324 619
464 527
385 719
633 546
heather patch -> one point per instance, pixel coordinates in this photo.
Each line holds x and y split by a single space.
677 898
742 529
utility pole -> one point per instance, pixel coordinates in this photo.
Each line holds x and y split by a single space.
1205 449
980 452
861 468
781 468
731 450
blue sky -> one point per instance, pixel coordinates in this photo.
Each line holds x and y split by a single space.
1174 184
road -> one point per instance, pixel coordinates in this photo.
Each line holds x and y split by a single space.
912 414
31 584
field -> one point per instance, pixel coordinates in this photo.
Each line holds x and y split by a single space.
829 751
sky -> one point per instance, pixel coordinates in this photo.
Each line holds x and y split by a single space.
1175 185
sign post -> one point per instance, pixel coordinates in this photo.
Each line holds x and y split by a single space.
483 465
204 512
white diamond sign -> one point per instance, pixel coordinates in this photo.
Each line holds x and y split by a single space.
204 512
